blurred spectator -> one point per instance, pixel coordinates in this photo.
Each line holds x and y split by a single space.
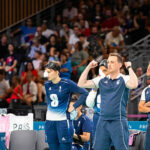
73 39
45 31
27 32
57 23
16 91
139 73
30 90
4 90
97 13
83 29
3 46
96 47
65 31
70 13
53 56
36 47
53 42
38 60
66 70
29 68
79 59
114 40
41 90
110 21
10 63
84 42
81 17
39 35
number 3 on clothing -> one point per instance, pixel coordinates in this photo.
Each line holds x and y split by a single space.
54 99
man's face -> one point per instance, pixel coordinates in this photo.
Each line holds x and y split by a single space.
94 30
39 31
52 74
4 40
76 31
148 70
29 22
139 72
116 33
113 64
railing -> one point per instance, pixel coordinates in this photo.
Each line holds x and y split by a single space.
13 12
139 91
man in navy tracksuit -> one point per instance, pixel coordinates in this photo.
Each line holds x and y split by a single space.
112 126
144 106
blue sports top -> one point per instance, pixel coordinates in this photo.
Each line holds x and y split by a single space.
114 96
58 97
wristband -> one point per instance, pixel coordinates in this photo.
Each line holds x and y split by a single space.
129 67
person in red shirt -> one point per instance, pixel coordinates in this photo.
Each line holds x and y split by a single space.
16 91
29 68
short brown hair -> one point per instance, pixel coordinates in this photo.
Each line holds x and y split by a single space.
119 58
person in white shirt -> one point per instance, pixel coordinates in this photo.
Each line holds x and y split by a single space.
70 12
30 90
114 39
36 47
73 39
46 32
37 61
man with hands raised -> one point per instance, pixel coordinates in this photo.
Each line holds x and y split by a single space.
112 126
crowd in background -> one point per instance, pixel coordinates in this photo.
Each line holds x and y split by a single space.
81 33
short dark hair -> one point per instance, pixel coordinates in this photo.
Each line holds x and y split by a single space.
119 58
53 65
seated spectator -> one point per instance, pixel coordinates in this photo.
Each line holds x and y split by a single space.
110 21
97 13
53 55
39 35
45 31
10 63
96 47
66 70
139 73
73 39
84 42
81 17
84 30
114 40
4 90
16 91
53 42
66 31
30 90
79 59
3 46
57 23
83 128
70 13
29 68
38 60
27 31
36 47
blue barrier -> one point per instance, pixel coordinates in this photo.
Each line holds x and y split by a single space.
138 125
